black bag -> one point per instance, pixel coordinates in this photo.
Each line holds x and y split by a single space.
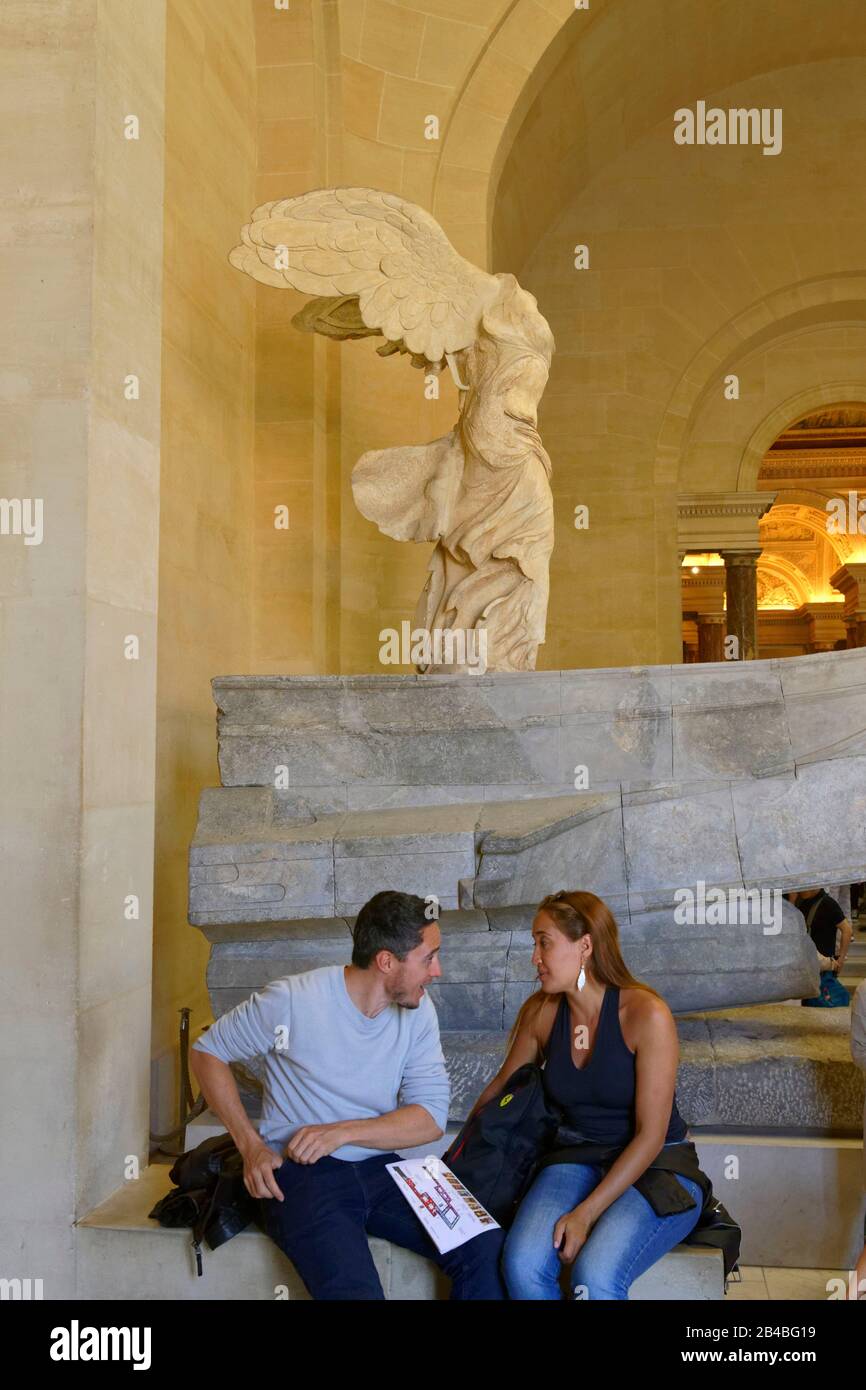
497 1150
210 1196
716 1227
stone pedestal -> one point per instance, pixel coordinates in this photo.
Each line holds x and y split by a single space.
824 625
491 791
741 592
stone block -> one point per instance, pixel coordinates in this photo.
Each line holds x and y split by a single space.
627 692
668 836
732 741
467 1005
795 833
517 870
619 748
357 879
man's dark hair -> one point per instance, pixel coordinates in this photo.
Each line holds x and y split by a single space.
388 922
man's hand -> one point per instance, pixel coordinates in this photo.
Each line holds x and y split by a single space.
312 1142
260 1160
570 1233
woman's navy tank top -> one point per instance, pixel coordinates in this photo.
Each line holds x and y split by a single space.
598 1099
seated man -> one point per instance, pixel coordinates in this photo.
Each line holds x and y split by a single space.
353 1070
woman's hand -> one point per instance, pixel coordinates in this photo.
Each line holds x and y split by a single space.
570 1233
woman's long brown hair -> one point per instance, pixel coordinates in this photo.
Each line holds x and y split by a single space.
576 915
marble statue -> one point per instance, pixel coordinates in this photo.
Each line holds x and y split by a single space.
379 266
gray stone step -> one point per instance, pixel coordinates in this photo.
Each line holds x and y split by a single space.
123 1255
745 1168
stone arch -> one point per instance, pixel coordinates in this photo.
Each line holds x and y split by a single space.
787 573
804 508
525 46
523 49
808 305
787 411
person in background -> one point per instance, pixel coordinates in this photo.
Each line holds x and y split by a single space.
824 917
858 1052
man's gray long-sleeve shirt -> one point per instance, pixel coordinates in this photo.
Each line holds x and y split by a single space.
326 1061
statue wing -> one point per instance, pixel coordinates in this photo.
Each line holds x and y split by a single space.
410 283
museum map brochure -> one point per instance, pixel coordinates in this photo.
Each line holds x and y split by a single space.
446 1209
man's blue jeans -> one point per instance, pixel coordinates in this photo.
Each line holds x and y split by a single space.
626 1239
330 1208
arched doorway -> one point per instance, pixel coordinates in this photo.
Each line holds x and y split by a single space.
809 550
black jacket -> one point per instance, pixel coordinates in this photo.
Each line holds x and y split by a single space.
658 1184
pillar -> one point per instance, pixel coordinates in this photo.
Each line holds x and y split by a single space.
741 593
81 263
850 581
727 524
824 625
711 637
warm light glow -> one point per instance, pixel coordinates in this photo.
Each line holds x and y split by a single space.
702 560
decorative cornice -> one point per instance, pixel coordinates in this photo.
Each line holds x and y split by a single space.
774 617
825 465
751 504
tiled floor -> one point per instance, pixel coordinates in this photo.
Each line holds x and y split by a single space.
780 1284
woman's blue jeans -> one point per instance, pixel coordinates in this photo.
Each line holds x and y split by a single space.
626 1239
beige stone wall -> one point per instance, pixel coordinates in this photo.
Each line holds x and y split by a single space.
80 265
399 64
207 477
290 124
703 262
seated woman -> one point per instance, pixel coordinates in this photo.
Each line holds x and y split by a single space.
611 1051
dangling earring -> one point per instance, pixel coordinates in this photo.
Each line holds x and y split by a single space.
581 979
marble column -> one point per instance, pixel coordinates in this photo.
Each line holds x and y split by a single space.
741 592
711 637
690 637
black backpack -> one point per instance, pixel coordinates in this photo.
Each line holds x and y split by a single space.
210 1196
498 1149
